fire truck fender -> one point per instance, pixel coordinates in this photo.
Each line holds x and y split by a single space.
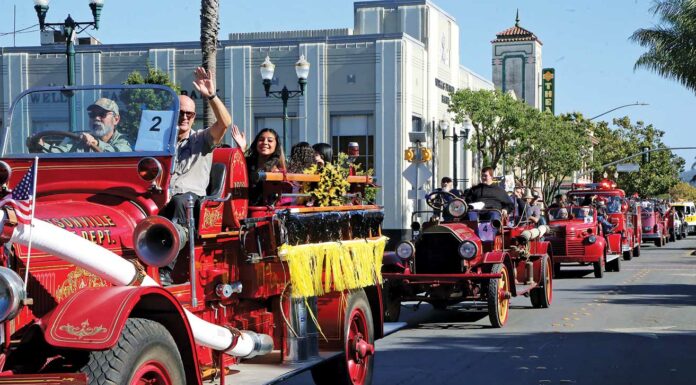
493 257
93 318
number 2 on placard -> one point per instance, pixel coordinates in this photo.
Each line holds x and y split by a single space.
157 120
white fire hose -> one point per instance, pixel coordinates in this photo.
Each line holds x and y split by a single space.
119 272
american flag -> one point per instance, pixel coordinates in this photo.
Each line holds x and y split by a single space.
22 197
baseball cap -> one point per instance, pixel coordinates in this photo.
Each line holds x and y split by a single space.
106 104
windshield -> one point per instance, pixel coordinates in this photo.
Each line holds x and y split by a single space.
586 214
91 121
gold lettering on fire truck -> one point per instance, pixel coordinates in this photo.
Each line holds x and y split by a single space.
78 279
95 227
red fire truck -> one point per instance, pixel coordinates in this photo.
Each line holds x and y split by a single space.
471 258
577 236
267 291
621 235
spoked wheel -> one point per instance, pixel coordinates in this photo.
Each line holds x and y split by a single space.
499 296
145 354
542 295
355 365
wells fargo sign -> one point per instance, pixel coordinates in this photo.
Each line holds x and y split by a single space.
548 86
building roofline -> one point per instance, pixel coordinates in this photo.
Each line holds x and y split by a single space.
60 48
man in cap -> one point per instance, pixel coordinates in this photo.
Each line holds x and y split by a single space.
103 137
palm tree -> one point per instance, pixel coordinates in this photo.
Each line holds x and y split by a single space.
210 26
671 44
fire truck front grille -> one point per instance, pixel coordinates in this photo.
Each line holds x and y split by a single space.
437 254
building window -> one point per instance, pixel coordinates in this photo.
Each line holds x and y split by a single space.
354 128
276 123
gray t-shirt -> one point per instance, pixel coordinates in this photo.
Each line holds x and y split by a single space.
194 158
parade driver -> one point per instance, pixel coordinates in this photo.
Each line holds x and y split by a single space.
492 196
103 136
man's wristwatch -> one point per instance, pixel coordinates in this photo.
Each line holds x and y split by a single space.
213 96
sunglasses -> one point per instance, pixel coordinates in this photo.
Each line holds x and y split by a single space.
93 114
188 114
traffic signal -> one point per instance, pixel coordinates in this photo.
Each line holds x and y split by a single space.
646 154
410 154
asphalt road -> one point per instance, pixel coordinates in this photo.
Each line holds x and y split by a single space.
637 326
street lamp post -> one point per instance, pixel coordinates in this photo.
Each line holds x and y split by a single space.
455 137
616 108
302 70
70 28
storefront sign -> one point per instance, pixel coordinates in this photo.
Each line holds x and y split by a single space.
548 86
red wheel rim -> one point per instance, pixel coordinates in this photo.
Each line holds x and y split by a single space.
359 350
151 373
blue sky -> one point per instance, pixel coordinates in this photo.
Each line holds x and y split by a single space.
586 41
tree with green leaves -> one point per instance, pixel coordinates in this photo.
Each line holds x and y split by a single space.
655 177
670 44
136 98
496 118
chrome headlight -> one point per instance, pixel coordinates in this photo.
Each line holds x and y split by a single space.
467 249
405 250
591 239
11 294
456 208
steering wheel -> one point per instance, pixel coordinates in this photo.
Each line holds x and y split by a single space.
33 141
439 199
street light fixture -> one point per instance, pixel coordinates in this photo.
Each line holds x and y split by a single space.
70 28
616 108
455 137
301 70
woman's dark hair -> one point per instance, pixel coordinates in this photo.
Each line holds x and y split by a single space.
325 151
301 157
277 159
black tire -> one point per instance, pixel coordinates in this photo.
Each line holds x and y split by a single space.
542 296
392 302
498 308
636 251
335 371
144 344
614 265
598 269
556 270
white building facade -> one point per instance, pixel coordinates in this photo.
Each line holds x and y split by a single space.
389 75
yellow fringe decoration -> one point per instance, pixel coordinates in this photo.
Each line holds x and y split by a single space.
320 268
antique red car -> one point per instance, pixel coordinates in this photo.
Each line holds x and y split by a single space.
468 257
299 285
654 222
621 236
577 236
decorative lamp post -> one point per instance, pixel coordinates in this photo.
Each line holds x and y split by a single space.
70 28
455 137
302 71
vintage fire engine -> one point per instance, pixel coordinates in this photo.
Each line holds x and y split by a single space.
468 257
577 236
654 223
296 287
623 237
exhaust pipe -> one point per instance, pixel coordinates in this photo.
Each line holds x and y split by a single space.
119 272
